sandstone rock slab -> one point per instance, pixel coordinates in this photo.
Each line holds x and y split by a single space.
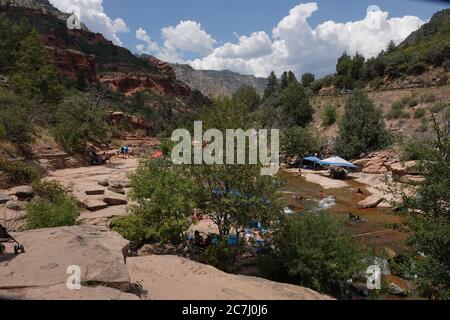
93 205
4 198
23 192
16 205
176 278
99 253
115 199
95 192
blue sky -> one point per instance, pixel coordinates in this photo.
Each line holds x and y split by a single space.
255 36
222 18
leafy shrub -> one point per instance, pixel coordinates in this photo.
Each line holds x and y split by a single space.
446 65
18 172
313 251
130 227
398 105
53 207
429 98
413 103
219 256
419 113
439 106
417 68
329 116
299 142
397 114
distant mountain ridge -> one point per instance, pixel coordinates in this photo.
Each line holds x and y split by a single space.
217 83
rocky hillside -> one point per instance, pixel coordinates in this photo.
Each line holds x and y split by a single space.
217 83
82 53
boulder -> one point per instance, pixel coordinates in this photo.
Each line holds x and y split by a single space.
159 249
60 292
120 184
16 205
23 192
176 278
117 190
396 290
95 192
103 183
371 203
4 198
98 252
115 200
93 205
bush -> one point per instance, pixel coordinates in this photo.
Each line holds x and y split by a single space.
398 105
329 116
397 114
429 98
439 106
131 228
446 65
299 142
315 252
362 128
18 172
219 256
419 113
417 68
413 103
53 207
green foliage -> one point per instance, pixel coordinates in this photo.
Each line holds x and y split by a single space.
220 256
18 172
247 96
78 121
11 34
362 128
428 214
297 108
15 119
428 98
413 103
329 116
439 106
53 207
32 75
419 113
397 114
446 65
315 252
272 85
164 204
299 142
308 79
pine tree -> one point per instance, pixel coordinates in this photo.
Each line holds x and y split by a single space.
292 78
272 85
362 128
284 82
32 75
297 109
308 79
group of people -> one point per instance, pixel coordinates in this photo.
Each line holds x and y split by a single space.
198 244
96 159
124 151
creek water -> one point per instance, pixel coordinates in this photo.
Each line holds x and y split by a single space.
375 228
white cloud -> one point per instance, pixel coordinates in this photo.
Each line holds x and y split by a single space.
95 18
297 46
187 36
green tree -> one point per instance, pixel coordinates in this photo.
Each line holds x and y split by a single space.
362 128
272 85
357 65
11 34
247 96
164 202
329 116
299 142
428 216
32 75
344 65
313 251
54 207
297 109
291 77
308 79
80 120
284 81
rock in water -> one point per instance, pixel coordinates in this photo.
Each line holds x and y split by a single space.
100 255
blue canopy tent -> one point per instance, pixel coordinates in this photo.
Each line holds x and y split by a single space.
338 162
314 160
